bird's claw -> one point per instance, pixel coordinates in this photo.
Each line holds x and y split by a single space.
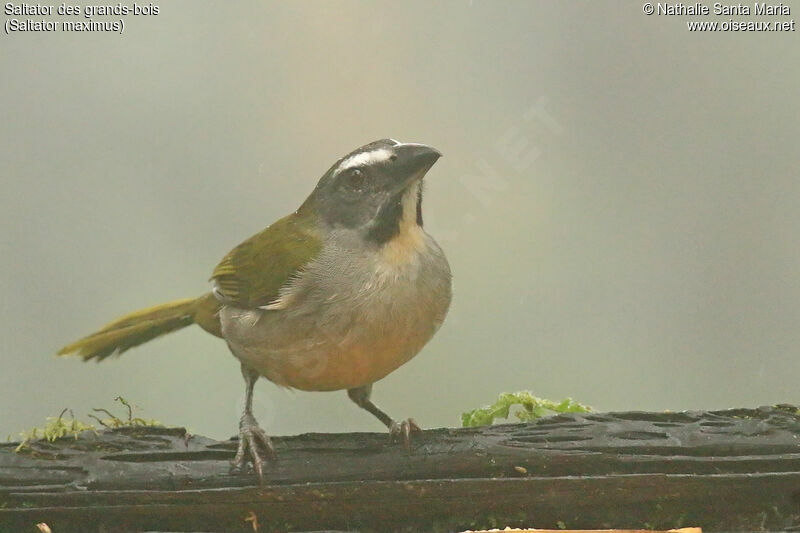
254 440
402 431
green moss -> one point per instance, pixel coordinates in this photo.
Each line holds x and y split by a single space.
132 421
61 427
530 408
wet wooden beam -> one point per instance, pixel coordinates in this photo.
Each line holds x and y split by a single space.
725 470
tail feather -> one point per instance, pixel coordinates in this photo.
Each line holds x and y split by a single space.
144 325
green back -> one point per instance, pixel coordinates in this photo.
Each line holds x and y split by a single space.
251 274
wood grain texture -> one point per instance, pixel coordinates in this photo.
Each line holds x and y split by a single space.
725 470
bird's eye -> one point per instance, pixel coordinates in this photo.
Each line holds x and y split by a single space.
355 179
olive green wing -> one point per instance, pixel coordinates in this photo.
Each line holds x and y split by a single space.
252 274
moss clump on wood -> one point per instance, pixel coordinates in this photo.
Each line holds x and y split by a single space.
61 427
530 408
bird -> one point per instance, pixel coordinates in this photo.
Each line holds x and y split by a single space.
334 296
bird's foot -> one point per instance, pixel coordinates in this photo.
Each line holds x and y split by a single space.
401 431
254 440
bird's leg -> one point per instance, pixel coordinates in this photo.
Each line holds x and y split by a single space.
251 437
401 430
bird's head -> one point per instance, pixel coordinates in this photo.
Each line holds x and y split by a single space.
374 188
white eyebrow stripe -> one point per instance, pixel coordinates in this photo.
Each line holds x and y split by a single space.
366 158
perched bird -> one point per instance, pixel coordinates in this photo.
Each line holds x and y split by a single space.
334 296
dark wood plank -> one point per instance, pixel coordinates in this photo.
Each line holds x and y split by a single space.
725 470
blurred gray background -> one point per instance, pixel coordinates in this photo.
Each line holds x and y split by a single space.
618 199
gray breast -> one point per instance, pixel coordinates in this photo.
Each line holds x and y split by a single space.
351 317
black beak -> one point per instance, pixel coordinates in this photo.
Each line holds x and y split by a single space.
414 160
